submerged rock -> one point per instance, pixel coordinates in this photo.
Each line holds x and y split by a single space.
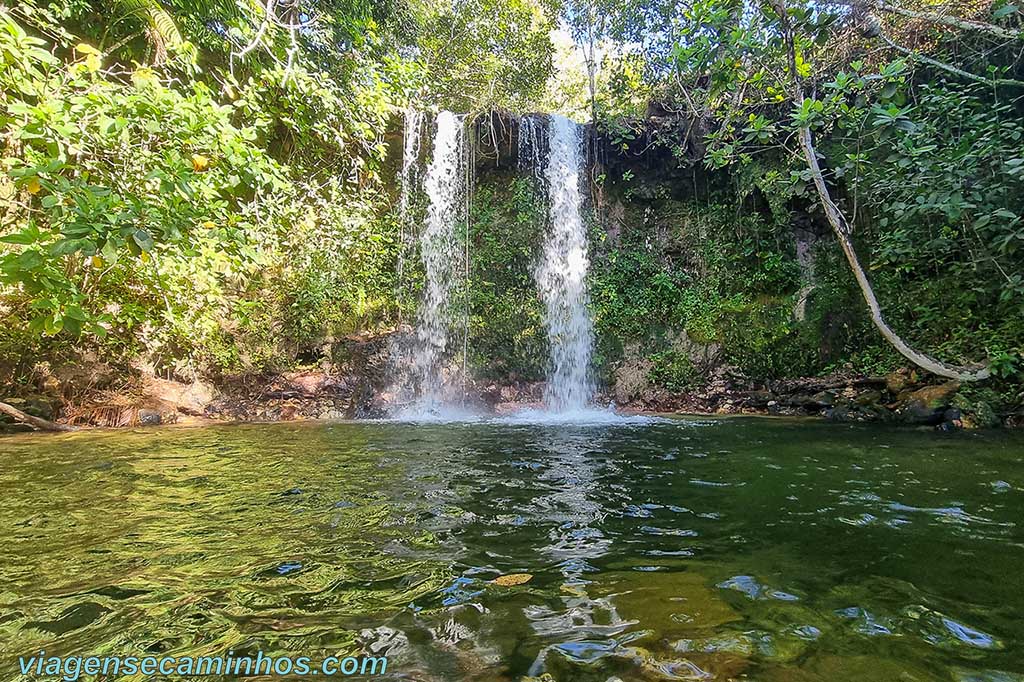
691 604
512 579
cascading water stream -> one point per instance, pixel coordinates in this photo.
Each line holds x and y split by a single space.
432 353
530 147
410 179
551 148
562 272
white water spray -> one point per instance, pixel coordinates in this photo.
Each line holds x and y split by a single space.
409 184
562 273
530 145
433 347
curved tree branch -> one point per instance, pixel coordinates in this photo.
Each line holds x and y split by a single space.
268 13
842 231
952 22
949 68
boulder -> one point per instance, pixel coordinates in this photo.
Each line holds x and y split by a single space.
761 398
42 406
976 413
823 399
841 414
190 398
810 403
898 381
928 405
869 398
936 396
149 417
306 382
952 420
848 411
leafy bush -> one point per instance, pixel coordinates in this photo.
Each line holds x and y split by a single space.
149 217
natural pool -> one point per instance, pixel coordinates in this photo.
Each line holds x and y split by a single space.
688 549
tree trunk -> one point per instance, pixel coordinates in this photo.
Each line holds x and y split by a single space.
36 422
842 231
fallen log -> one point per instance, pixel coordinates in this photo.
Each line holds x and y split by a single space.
35 422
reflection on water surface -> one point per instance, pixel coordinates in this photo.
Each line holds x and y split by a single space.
674 550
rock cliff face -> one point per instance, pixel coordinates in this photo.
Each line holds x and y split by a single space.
710 293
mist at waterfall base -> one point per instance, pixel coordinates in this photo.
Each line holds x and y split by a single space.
429 376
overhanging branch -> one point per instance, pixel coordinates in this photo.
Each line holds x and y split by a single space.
952 22
949 68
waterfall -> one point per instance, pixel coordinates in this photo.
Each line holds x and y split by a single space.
409 184
562 272
529 148
433 349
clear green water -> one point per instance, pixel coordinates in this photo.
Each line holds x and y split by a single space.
738 549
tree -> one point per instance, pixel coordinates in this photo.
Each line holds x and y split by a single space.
841 226
749 72
485 53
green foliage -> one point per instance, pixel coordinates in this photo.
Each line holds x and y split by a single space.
151 217
206 189
317 127
953 171
209 190
484 53
722 278
941 210
673 371
927 170
632 292
507 333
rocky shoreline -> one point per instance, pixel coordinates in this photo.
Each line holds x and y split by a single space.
314 394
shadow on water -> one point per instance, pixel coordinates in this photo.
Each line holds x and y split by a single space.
659 550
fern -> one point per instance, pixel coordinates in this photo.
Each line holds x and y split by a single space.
164 32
